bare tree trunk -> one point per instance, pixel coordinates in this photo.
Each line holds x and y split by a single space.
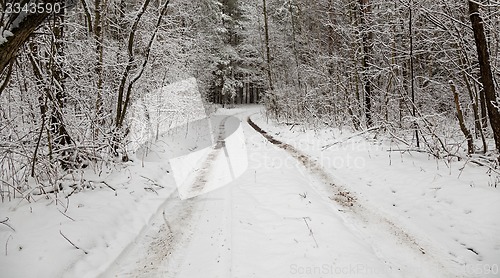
268 50
474 101
367 41
144 62
138 75
485 69
294 45
61 136
461 121
99 39
484 109
121 90
412 75
355 113
7 77
88 17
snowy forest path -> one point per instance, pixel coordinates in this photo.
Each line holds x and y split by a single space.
279 219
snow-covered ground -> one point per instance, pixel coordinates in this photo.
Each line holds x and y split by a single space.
446 209
352 210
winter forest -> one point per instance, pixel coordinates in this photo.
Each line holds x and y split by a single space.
422 74
425 72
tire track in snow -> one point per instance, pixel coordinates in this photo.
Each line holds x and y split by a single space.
350 202
165 232
170 231
221 234
206 167
342 196
198 186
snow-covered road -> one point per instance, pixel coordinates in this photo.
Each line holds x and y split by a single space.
279 219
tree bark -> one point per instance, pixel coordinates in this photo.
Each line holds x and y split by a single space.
474 101
412 75
21 31
6 80
485 70
99 51
88 17
461 121
294 45
61 135
268 49
367 41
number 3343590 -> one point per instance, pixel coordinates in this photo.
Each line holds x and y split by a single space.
33 8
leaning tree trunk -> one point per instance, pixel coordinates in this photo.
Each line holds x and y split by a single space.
485 70
20 33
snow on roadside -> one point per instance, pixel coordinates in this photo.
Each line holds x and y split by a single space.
100 221
449 210
80 236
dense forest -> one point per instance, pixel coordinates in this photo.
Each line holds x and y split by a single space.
423 72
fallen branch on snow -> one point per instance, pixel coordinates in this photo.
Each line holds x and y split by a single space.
67 216
7 224
72 243
106 184
409 150
7 245
480 163
152 181
427 152
151 189
310 230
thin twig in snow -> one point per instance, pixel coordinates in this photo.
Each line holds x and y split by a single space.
350 137
112 188
152 181
67 205
66 215
310 230
6 244
166 222
72 243
7 224
150 189
105 183
71 193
